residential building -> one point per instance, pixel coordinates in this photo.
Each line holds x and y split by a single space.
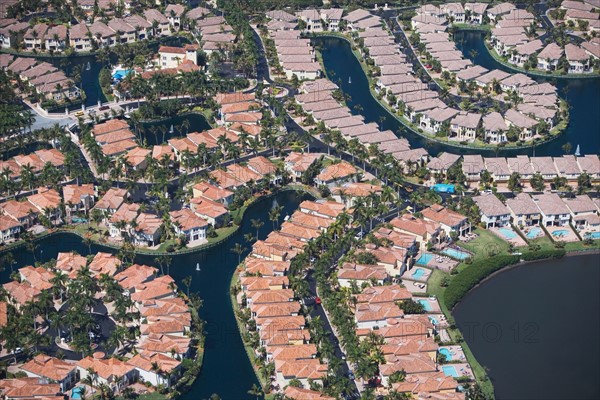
115 373
449 221
524 210
52 369
493 212
554 211
186 222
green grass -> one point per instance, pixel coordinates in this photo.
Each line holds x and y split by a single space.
484 245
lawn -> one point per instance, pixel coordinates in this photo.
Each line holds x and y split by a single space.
485 245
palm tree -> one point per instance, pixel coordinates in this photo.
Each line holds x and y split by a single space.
255 390
187 281
256 224
274 214
239 250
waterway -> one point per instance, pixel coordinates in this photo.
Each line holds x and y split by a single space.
226 369
583 96
540 340
158 132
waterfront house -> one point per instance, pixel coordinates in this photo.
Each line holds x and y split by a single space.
213 212
135 275
147 230
554 210
112 200
496 12
464 125
102 34
213 193
498 168
29 388
455 12
584 213
524 210
442 162
493 212
353 17
312 20
78 198
432 120
51 369
125 33
522 166
525 124
56 38
424 231
120 222
524 52
9 228
301 370
567 167
114 373
142 28
174 13
548 58
146 364
48 202
172 57
185 222
476 12
34 37
578 59
23 212
495 128
336 174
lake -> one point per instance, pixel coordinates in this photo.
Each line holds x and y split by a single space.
536 329
226 369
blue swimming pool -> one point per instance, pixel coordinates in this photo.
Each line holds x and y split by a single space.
534 232
418 273
121 73
446 353
425 304
560 233
459 255
425 258
507 233
76 392
449 370
443 188
593 235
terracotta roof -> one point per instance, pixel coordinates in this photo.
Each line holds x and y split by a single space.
304 369
148 223
301 161
18 209
377 312
29 388
383 294
7 223
187 220
206 207
212 192
106 368
38 277
110 126
415 226
137 156
295 393
73 194
443 215
70 263
330 209
135 275
164 343
253 283
126 212
147 360
21 292
158 152
104 263
159 287
265 268
112 199
49 367
237 97
299 352
3 313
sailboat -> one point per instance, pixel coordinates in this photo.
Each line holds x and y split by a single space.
349 79
88 66
577 152
171 130
197 266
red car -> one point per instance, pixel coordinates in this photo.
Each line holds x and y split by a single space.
317 300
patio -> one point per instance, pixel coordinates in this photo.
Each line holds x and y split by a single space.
508 233
562 233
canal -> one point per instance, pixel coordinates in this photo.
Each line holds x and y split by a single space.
540 340
226 369
345 70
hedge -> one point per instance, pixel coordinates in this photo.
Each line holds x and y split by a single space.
538 255
473 274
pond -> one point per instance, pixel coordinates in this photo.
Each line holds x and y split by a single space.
536 331
344 69
226 370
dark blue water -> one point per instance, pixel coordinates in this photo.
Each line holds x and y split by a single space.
583 95
536 329
158 132
226 369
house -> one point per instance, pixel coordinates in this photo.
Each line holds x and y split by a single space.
498 168
120 221
52 369
23 212
186 222
472 167
475 12
455 12
525 124
112 200
375 316
156 18
264 167
464 126
213 212
113 372
449 221
174 13
443 162
147 229
494 127
554 211
142 28
125 33
135 275
146 364
48 202
34 37
584 212
302 370
348 193
298 163
9 228
56 38
548 58
104 263
524 210
578 59
29 388
590 164
312 20
335 174
424 231
102 34
78 198
567 167
172 57
213 193
332 17
360 274
522 166
493 212
294 393
544 166
496 12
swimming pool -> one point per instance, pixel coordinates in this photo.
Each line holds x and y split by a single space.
507 233
459 255
593 235
425 304
418 273
76 392
560 233
443 188
446 353
449 370
121 73
425 258
534 232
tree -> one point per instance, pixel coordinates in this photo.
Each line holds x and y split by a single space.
256 224
514 183
255 390
187 281
239 250
584 183
537 182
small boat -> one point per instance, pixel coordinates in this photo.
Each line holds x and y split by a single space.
197 266
349 79
171 130
88 66
577 152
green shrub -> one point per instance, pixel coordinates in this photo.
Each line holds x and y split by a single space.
541 254
472 275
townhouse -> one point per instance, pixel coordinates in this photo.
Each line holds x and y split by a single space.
584 212
56 38
464 125
114 373
472 167
524 210
450 221
549 57
578 59
359 274
495 128
553 210
475 12
492 211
